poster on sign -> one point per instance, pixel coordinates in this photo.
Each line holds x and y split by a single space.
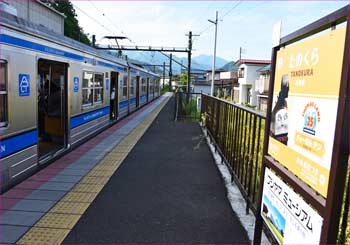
304 106
287 215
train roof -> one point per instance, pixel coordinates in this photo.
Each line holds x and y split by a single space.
44 32
133 66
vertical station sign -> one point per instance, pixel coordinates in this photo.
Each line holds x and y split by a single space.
304 106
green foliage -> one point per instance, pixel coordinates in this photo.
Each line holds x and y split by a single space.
71 24
165 89
183 79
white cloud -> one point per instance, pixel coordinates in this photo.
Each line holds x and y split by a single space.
165 23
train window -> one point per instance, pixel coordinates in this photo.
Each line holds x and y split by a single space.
143 86
151 81
98 88
125 87
3 94
87 88
132 87
156 86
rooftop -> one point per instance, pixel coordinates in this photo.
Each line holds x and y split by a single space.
265 68
252 61
230 66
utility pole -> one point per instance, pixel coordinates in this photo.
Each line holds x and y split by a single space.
94 41
189 57
163 73
189 61
214 57
170 71
240 53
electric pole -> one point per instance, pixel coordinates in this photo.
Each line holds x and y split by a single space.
189 61
214 57
163 73
170 71
240 53
189 57
93 43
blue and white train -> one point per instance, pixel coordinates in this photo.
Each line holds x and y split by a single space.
56 92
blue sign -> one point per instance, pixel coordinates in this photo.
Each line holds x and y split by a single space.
23 85
76 84
107 84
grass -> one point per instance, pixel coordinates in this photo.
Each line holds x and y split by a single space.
188 110
346 239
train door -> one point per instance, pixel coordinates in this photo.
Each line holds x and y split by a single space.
137 92
114 96
52 104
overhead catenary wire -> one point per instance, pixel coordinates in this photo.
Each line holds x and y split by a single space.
96 21
103 26
222 17
106 17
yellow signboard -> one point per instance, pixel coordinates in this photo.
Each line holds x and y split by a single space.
304 107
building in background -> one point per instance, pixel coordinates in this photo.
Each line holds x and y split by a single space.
35 11
199 81
203 85
248 73
262 87
225 79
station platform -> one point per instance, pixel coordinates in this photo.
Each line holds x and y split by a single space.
147 179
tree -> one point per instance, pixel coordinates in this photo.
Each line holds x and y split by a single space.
183 79
71 24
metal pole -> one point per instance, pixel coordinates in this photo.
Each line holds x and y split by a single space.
94 41
170 71
214 57
189 61
163 74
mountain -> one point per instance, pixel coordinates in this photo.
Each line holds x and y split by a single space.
207 61
230 66
202 62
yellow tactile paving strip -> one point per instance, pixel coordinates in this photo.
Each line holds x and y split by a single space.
87 188
79 197
70 207
57 223
62 221
38 235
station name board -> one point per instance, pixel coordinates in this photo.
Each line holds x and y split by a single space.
304 106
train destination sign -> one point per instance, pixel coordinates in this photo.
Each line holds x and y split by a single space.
304 106
290 219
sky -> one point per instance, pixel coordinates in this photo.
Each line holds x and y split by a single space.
246 24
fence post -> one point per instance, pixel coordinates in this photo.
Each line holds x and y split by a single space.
176 106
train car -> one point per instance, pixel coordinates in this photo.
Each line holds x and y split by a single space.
134 76
156 86
150 88
143 89
55 93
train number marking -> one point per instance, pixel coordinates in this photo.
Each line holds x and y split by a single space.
76 84
24 85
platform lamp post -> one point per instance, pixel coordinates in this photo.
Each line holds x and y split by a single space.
214 57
